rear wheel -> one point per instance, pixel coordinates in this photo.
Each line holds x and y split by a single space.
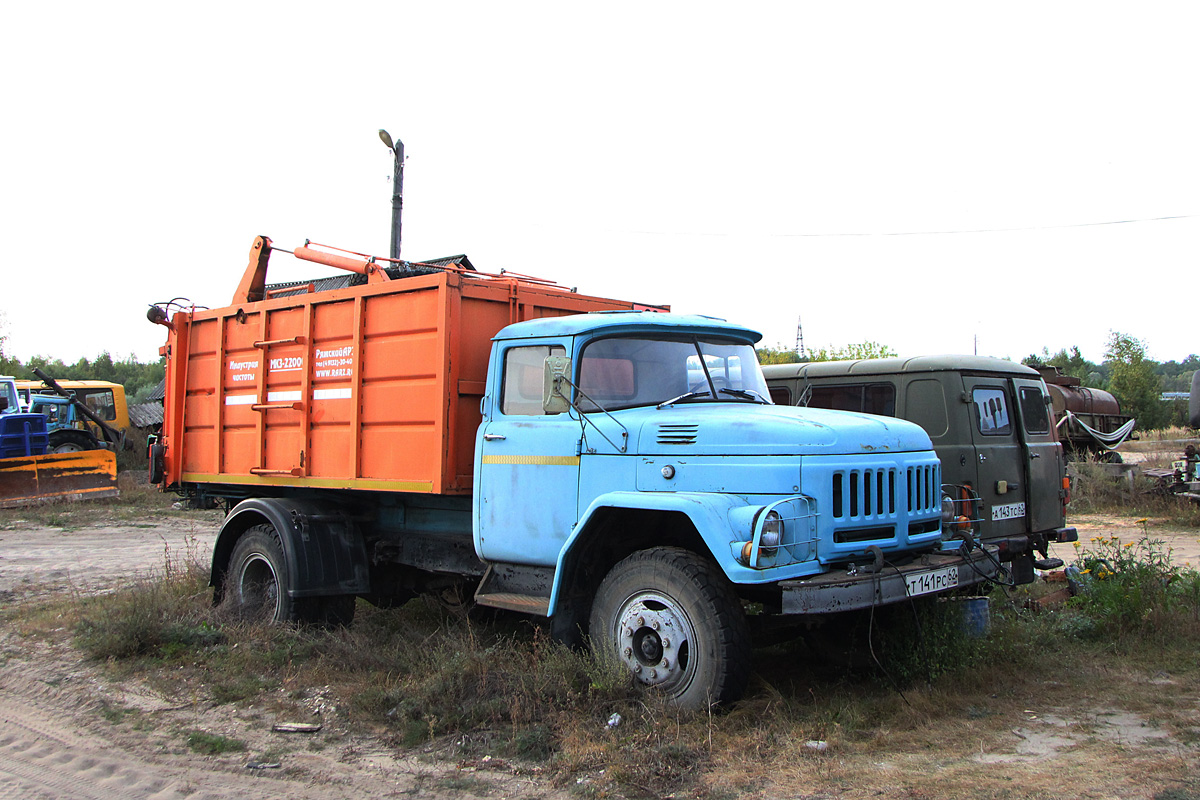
674 620
70 442
257 583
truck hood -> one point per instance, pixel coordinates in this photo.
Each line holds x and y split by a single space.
746 429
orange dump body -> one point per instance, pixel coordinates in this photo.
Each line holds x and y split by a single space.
373 387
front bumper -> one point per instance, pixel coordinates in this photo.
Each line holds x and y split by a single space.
841 590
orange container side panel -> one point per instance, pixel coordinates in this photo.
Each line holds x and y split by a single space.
372 387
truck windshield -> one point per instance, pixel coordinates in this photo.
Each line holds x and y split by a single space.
622 372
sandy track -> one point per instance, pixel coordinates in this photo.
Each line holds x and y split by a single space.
55 740
56 743
52 745
98 556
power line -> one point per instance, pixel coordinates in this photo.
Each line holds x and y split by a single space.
924 233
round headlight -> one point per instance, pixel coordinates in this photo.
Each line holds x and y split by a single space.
772 531
948 514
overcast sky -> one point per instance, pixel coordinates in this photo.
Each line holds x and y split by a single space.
934 177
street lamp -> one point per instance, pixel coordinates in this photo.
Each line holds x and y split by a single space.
397 148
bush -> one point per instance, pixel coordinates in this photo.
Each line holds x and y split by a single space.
1134 589
160 616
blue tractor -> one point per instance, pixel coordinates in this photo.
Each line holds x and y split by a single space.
63 424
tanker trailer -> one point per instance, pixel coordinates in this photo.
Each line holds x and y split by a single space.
1090 422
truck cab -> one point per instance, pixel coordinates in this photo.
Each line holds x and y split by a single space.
990 422
614 444
10 399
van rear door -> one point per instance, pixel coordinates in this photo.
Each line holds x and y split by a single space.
1043 456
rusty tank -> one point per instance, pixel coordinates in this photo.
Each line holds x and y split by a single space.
1089 420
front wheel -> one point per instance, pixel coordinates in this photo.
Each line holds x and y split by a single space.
674 620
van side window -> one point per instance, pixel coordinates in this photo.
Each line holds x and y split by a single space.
992 411
925 404
781 395
872 398
1033 411
523 370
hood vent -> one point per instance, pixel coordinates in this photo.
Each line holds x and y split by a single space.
677 434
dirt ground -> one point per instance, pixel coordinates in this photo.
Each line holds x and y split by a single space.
58 738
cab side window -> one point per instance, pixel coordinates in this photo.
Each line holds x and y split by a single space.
991 406
524 367
1033 410
102 404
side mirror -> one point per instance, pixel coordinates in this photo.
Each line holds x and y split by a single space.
556 376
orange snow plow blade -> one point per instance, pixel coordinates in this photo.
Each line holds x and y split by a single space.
83 475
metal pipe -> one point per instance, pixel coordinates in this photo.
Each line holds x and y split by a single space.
331 260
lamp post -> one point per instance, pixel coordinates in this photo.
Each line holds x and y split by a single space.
397 149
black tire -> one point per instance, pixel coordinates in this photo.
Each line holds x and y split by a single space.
257 581
157 463
70 442
704 658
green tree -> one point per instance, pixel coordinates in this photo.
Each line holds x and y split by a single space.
1069 362
1133 381
853 352
778 355
8 366
1177 376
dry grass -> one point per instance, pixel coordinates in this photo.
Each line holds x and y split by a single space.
1101 489
1150 440
421 674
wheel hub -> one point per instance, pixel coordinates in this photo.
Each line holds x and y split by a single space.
259 587
654 639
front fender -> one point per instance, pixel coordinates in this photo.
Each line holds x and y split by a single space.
322 546
709 513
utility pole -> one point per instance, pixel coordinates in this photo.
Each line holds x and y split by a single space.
397 148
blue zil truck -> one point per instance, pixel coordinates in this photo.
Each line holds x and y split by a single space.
622 473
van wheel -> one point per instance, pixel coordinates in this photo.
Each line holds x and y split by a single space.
673 619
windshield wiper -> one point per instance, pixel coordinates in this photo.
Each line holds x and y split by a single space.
685 396
746 393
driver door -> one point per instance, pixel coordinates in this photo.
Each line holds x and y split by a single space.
527 486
